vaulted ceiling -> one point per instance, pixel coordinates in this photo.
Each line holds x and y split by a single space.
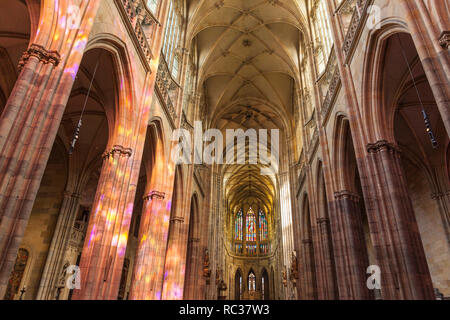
248 56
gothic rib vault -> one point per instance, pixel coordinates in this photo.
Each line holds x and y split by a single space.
354 102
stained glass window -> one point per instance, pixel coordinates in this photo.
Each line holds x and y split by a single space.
238 226
264 248
251 249
263 232
251 225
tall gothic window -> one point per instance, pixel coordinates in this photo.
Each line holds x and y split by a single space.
251 235
238 235
250 225
172 38
322 33
263 234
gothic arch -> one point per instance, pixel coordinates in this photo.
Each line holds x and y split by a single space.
123 115
309 286
18 21
371 93
238 284
193 256
265 285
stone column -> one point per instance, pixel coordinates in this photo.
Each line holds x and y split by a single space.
22 128
175 262
58 247
147 279
30 120
109 223
32 115
397 242
193 271
328 285
309 280
349 247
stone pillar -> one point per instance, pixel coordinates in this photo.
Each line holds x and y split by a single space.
309 280
22 127
193 271
175 262
328 286
147 279
32 115
109 223
349 247
58 247
397 242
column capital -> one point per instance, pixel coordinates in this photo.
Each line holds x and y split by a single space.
382 145
440 195
346 194
323 220
444 39
117 149
177 219
155 195
43 55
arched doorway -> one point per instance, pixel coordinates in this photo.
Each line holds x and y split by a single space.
265 285
238 289
251 282
309 288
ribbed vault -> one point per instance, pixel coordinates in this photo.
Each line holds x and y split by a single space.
248 70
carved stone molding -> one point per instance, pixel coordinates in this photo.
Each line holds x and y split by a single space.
347 194
439 195
444 39
177 219
122 151
323 220
382 145
155 195
44 55
356 25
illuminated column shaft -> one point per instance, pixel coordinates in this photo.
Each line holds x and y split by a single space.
109 223
177 247
175 264
147 277
286 224
32 115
